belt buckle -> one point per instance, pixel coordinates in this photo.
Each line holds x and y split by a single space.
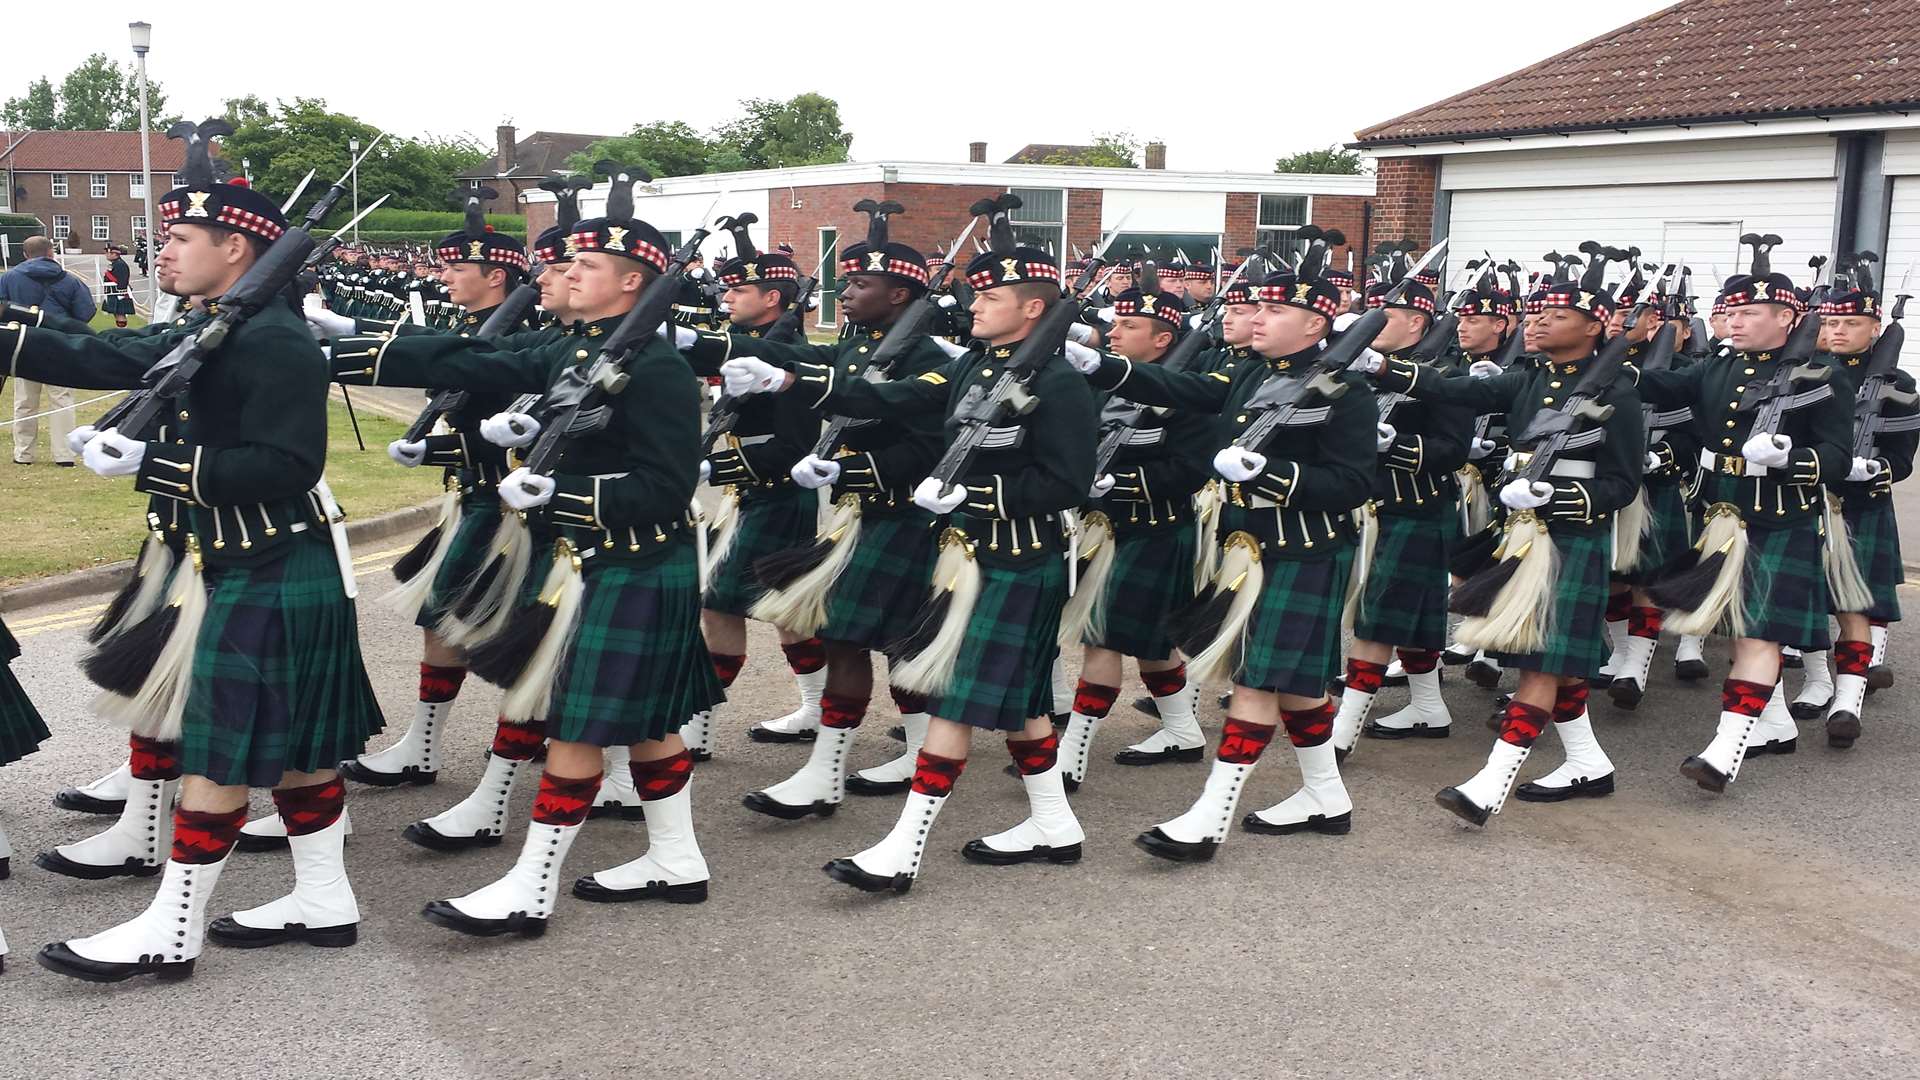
1522 459
1732 465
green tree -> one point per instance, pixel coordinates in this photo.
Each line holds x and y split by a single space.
101 96
1334 159
664 148
1110 150
304 134
246 109
803 130
37 110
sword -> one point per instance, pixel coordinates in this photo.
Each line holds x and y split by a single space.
299 189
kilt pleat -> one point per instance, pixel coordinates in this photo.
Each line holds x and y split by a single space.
1876 548
278 683
1292 641
1152 577
1576 636
1004 675
1786 586
1670 533
636 666
1406 591
772 521
884 584
21 728
466 556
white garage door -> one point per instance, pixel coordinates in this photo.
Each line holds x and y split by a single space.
1903 251
1698 224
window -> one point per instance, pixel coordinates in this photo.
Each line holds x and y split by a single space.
1164 248
62 226
179 181
137 225
59 185
1041 220
97 185
102 229
829 275
1280 217
136 186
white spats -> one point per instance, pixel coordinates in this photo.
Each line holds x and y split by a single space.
1716 766
1050 832
1179 737
1321 805
893 776
135 845
817 788
1816 689
1630 673
480 818
1843 719
1076 745
411 760
523 899
802 722
1587 772
1350 718
1208 819
165 939
616 794
894 862
1774 732
1425 715
320 909
1486 791
697 733
1616 638
673 868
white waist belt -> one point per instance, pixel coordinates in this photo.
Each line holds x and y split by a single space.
1571 468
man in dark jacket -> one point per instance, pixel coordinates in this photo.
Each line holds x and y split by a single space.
42 282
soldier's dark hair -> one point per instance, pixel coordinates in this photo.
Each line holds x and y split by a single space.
1037 290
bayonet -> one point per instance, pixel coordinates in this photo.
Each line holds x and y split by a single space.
299 189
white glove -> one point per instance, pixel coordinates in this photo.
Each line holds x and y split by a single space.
1239 465
1368 362
946 300
79 437
1083 360
500 429
680 337
1653 462
1480 448
812 472
1344 320
706 469
953 350
1518 495
407 453
1383 436
324 323
1196 320
745 375
1102 484
513 489
926 495
1863 469
698 273
1105 314
1484 369
1769 450
1081 333
99 454
813 302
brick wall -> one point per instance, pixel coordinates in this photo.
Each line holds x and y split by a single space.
79 205
1084 206
540 217
1403 203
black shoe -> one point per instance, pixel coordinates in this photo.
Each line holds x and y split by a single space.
82 803
248 842
1450 657
978 851
1842 729
1580 789
700 755
1808 710
692 892
1772 746
1160 845
1879 677
443 913
1168 756
859 785
762 735
1373 730
429 837
66 464
1462 807
762 803
1626 694
1061 720
1394 680
412 774
636 812
1145 703
62 960
898 733
847 873
1793 661
1689 670
1338 825
1700 772
1226 699
233 935
1483 675
57 863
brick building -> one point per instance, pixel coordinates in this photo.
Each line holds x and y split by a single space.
84 186
518 165
1065 207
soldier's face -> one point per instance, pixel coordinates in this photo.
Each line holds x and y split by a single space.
1403 330
868 298
1200 290
1850 335
467 283
1759 326
200 260
1137 337
751 305
556 299
1717 325
602 285
1558 329
1282 329
1480 333
1236 323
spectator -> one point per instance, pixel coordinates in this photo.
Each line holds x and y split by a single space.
118 285
42 282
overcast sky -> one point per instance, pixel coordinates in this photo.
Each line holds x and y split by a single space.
1225 85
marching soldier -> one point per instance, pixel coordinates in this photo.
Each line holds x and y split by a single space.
21 733
1488 328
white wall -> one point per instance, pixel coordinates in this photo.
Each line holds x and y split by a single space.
1164 211
1786 158
1903 250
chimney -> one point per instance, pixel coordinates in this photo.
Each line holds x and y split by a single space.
977 152
503 148
1157 155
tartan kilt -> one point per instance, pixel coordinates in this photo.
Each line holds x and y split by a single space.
1577 645
1292 641
884 584
1004 675
277 684
1152 577
636 666
1786 586
776 520
21 728
1407 582
466 555
117 302
1876 547
1669 535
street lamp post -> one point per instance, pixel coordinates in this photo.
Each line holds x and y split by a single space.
353 169
246 170
142 35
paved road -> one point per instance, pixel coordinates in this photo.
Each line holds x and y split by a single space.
1774 931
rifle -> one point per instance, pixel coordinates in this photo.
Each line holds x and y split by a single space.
904 333
790 325
1281 398
511 312
1445 329
1773 399
1877 389
577 399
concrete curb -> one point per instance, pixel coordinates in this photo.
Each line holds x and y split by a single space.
105 579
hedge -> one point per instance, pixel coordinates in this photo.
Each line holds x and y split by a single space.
405 236
440 221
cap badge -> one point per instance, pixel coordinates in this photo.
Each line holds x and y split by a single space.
876 260
474 248
199 200
616 237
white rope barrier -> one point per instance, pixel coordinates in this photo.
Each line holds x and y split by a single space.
61 409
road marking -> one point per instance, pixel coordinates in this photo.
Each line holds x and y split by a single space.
60 616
